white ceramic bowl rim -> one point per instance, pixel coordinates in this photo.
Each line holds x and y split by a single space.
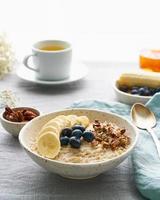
79 164
1 115
129 95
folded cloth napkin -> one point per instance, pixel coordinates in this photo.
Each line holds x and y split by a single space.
145 159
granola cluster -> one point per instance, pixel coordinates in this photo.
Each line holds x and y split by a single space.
110 135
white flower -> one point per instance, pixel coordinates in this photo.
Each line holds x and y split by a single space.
8 98
6 56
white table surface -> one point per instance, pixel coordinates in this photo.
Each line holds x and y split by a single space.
21 178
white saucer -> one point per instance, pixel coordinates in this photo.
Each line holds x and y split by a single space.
78 71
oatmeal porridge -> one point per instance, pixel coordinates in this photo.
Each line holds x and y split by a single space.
74 139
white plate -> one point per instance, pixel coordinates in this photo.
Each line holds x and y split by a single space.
78 71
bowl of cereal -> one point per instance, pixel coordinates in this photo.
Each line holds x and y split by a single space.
78 143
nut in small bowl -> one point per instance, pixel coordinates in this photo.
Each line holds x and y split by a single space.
13 120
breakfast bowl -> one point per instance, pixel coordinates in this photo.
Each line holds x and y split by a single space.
14 127
128 98
30 131
136 87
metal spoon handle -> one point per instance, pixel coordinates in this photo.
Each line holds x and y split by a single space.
155 139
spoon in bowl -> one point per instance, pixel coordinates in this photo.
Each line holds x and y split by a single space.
145 119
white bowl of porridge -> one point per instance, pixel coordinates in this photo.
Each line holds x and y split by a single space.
78 143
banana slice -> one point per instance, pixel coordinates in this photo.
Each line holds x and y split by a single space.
48 145
83 120
57 124
60 122
72 119
64 118
50 129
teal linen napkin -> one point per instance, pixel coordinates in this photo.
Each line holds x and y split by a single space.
145 159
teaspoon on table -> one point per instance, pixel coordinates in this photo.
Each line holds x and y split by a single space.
145 119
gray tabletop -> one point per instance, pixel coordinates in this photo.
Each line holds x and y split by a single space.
21 178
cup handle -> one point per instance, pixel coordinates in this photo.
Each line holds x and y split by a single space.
25 62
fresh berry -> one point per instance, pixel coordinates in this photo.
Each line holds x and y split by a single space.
142 91
64 140
66 132
80 127
152 91
75 142
157 90
147 92
123 88
88 136
134 91
77 133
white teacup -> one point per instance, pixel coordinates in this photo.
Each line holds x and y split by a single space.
51 59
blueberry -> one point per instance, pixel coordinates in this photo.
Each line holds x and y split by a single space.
80 127
64 140
157 90
88 136
152 91
134 91
143 91
75 142
123 88
66 132
147 92
77 133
